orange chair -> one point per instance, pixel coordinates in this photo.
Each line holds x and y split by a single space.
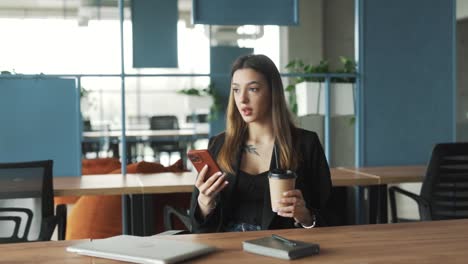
88 167
101 216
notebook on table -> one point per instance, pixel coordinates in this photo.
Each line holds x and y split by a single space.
141 249
273 247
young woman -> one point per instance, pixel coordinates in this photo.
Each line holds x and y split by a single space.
258 121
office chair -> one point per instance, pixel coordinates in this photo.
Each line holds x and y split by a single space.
166 122
444 192
197 118
27 203
181 215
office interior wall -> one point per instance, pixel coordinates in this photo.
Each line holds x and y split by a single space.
325 31
462 9
305 40
408 85
342 137
338 32
40 120
462 80
221 60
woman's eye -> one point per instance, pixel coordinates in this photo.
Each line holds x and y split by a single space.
235 90
253 89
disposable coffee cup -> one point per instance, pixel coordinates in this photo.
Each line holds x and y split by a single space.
280 181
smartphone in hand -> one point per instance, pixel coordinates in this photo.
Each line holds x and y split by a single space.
200 157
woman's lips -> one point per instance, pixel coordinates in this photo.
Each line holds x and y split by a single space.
246 111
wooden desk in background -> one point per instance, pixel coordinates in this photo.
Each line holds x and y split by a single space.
146 133
167 182
187 136
392 174
421 242
385 175
137 209
111 184
133 186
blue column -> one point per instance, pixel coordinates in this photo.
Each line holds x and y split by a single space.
407 80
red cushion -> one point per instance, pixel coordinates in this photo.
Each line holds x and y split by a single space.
99 166
90 166
152 167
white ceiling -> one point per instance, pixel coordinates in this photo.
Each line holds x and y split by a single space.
107 9
41 8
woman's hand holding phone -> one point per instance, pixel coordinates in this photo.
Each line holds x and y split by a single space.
209 186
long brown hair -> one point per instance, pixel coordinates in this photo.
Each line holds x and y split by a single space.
283 125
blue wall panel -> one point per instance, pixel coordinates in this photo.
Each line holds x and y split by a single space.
154 28
408 84
40 120
245 12
221 59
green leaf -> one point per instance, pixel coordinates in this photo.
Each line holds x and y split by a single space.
298 66
290 88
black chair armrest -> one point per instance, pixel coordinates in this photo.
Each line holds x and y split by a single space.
17 219
15 236
47 228
169 212
422 203
61 214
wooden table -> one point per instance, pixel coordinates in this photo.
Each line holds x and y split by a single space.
137 209
145 133
167 182
423 242
392 174
378 193
342 178
111 184
133 186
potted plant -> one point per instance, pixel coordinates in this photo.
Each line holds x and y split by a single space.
199 98
307 94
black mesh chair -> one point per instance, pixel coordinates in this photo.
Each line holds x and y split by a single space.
197 118
444 192
27 203
169 144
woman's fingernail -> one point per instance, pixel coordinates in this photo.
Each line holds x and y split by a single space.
220 173
226 182
285 193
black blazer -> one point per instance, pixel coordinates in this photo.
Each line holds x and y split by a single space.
313 180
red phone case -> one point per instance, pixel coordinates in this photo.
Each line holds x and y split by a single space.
200 157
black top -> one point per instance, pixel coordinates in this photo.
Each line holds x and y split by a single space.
249 205
313 179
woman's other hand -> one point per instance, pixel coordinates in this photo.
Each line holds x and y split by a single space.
293 205
209 187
